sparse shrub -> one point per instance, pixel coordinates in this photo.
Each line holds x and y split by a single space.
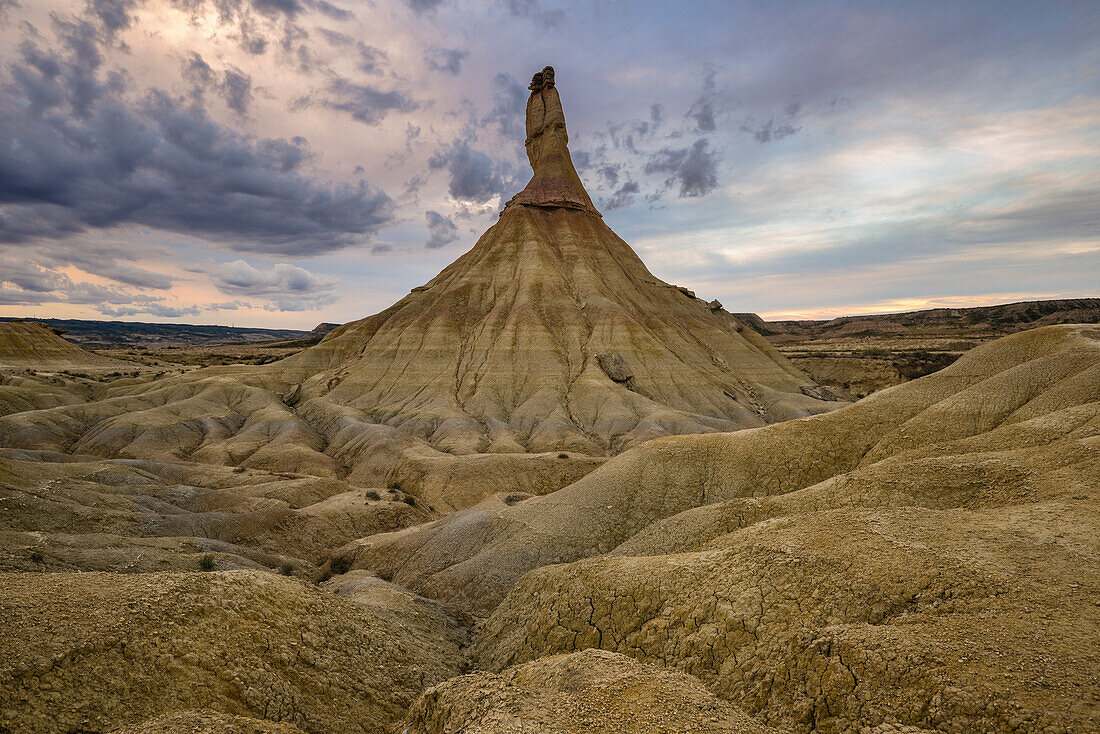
563 456
373 495
37 557
238 470
208 562
286 570
409 500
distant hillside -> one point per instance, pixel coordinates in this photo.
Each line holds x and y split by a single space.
28 344
986 321
862 354
319 332
114 334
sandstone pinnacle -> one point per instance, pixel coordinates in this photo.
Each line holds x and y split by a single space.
555 182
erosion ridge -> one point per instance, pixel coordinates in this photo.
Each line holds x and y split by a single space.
826 574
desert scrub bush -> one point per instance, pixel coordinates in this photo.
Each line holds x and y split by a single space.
286 570
372 494
208 562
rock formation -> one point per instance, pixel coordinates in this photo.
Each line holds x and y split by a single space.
492 377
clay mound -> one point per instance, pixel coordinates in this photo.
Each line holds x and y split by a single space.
22 391
67 514
1026 391
828 621
551 334
28 344
590 691
91 652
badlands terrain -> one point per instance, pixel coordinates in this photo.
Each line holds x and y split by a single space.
549 492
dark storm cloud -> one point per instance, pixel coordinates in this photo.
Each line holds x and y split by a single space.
770 130
234 86
703 110
365 103
447 60
284 287
623 196
332 11
197 73
250 38
80 156
441 230
5 7
29 276
114 14
509 107
474 176
648 127
693 168
109 261
275 7
410 193
255 24
535 10
25 283
372 59
152 307
610 173
422 6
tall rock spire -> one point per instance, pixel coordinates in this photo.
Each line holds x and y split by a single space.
555 182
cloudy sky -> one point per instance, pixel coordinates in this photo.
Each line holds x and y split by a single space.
286 162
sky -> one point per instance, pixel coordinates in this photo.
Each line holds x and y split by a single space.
281 163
